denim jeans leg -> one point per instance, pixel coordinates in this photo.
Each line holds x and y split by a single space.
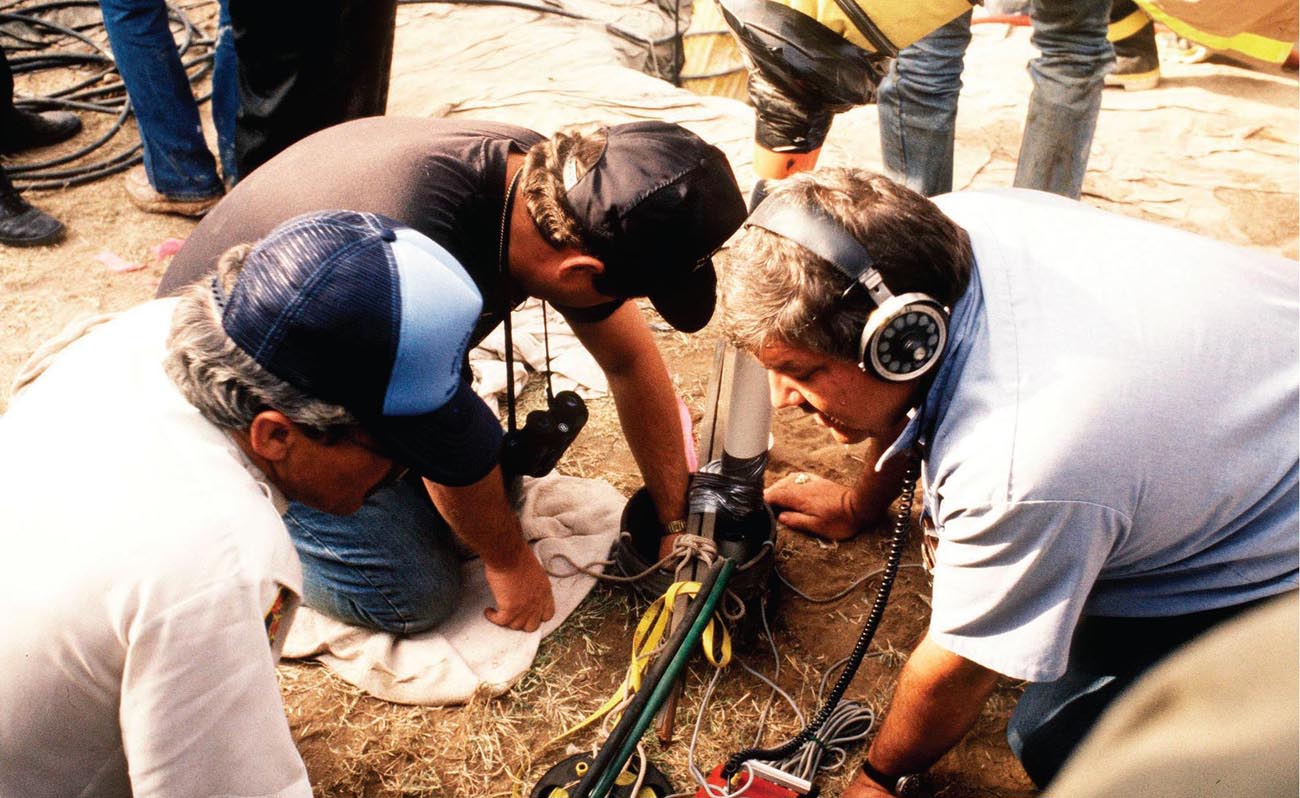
176 157
225 95
1052 718
390 566
1068 75
918 109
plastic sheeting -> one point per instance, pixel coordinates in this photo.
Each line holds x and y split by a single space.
1213 149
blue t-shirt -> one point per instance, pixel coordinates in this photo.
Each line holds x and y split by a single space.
1113 430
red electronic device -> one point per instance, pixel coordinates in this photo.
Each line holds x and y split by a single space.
768 782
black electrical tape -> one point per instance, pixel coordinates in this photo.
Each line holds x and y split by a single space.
731 485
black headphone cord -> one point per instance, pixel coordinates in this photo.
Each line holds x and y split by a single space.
902 520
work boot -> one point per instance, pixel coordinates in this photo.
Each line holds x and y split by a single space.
145 197
27 130
1133 35
22 225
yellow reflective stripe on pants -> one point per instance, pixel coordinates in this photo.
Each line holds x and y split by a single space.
1126 27
1251 44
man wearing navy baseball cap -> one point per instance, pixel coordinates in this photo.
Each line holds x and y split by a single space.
146 607
584 221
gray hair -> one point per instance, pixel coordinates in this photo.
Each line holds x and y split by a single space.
773 290
227 386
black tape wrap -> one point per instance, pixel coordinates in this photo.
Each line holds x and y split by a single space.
731 486
801 73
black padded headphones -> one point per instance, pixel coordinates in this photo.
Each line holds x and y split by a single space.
904 336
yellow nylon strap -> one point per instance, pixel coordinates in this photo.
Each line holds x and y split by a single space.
1251 44
1129 25
650 631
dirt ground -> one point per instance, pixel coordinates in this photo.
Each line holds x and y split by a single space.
1227 138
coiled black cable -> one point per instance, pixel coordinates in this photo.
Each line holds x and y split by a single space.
902 520
35 43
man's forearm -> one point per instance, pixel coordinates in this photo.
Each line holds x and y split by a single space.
938 698
874 491
646 401
647 412
481 516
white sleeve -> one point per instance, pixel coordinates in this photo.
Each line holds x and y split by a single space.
200 712
1011 582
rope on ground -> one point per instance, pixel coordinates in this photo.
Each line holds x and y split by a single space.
842 593
849 724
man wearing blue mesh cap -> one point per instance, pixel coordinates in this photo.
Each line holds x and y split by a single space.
314 366
584 221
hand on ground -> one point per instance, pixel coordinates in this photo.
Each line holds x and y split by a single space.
814 505
522 592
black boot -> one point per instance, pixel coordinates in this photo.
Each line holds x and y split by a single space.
26 130
1133 35
21 225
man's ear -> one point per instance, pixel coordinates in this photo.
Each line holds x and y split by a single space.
579 263
271 435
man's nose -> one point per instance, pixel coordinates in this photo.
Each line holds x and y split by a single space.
783 392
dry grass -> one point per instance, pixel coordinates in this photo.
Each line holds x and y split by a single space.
356 745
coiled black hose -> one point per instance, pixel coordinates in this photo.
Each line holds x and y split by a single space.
36 43
902 520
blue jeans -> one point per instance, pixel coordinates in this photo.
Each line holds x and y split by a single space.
225 96
1106 656
918 100
391 566
176 156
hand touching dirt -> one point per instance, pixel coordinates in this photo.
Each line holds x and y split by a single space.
814 505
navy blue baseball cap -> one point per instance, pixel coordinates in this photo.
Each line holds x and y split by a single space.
361 311
654 207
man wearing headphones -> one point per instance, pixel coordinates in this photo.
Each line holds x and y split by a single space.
1103 412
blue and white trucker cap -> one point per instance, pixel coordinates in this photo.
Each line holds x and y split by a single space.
361 311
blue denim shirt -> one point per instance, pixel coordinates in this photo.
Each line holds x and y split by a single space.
1112 432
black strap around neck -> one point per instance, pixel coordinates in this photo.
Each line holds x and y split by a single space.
503 248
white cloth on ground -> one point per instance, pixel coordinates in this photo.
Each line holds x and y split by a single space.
572 366
467 653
